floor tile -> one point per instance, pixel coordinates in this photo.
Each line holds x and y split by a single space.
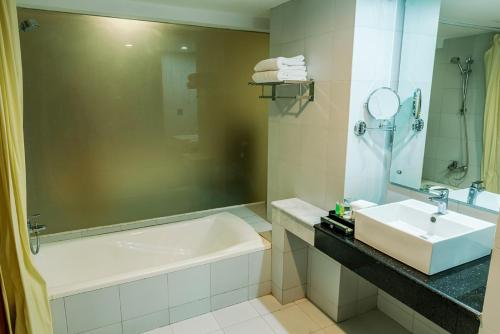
203 324
291 320
374 322
235 314
253 326
161 330
267 304
314 313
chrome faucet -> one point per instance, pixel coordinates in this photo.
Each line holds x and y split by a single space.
441 199
35 228
474 190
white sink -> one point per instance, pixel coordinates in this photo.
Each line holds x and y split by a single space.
404 231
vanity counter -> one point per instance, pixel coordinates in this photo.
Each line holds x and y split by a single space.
453 299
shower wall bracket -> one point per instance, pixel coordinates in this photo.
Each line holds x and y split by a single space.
306 89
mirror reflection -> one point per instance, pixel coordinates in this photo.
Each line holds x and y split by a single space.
462 129
383 103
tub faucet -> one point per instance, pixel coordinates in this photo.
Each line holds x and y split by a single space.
34 229
474 190
441 199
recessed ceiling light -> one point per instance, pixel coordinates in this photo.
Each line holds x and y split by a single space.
129 45
184 48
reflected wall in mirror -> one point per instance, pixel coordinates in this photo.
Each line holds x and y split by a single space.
462 129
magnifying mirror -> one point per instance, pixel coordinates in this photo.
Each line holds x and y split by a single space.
383 103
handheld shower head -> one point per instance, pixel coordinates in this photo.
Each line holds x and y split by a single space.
456 60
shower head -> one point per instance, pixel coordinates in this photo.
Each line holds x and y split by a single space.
469 61
29 25
456 60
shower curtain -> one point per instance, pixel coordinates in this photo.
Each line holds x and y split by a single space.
23 291
490 167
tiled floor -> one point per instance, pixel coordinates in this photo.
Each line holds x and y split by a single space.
266 315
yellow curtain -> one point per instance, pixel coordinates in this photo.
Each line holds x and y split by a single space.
22 288
490 168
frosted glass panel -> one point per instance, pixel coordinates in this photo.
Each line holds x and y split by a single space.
128 120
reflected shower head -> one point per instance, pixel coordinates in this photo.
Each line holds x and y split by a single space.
29 25
456 60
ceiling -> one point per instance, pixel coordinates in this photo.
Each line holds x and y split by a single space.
480 12
257 8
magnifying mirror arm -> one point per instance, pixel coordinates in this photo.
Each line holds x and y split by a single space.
360 127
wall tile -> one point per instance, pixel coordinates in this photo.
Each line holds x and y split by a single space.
145 323
228 275
111 329
143 297
189 285
396 310
277 269
293 294
259 290
422 325
325 275
318 54
58 316
189 310
259 266
319 16
229 298
92 310
294 268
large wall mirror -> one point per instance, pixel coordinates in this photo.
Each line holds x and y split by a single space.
459 145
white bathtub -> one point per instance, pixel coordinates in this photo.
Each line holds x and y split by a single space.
81 265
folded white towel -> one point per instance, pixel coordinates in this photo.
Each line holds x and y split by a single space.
275 64
275 76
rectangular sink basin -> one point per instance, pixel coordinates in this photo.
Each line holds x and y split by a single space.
404 231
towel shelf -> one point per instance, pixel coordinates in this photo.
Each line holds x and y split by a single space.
299 84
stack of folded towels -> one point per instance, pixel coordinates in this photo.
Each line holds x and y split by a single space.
280 69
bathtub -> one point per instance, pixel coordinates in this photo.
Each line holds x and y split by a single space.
205 252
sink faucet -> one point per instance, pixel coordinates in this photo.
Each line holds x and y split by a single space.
441 199
474 190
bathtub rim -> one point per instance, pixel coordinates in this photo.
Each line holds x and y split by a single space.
240 249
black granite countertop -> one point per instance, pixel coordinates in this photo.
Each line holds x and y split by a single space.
456 294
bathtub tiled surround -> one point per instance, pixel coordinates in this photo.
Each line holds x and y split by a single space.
142 305
299 269
253 213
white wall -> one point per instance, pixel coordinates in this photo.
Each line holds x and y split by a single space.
307 142
377 41
417 62
153 11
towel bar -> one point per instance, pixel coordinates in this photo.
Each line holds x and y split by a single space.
274 96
